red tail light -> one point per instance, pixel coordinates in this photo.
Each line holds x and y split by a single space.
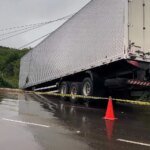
134 63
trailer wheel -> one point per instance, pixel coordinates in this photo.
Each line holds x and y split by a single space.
75 89
87 87
64 89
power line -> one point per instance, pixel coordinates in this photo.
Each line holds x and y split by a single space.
33 41
24 26
4 34
19 33
48 22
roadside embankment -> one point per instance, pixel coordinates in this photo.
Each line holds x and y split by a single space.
10 90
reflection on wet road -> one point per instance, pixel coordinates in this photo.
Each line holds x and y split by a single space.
47 123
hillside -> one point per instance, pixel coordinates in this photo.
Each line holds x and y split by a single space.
9 66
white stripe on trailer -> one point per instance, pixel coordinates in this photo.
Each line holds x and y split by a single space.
45 88
141 83
147 84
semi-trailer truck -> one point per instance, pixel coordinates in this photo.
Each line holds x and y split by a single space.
103 49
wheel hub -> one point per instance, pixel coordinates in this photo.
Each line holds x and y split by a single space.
86 89
63 90
73 92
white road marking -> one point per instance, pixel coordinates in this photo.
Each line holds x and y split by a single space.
133 142
28 123
11 100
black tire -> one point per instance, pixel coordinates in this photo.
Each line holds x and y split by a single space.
75 89
64 89
87 87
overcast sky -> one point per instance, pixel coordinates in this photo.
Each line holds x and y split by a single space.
24 12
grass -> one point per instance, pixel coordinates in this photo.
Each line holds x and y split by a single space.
9 66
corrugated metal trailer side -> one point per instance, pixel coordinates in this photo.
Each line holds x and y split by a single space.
97 34
24 70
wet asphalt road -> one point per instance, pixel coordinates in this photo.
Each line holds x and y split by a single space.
47 123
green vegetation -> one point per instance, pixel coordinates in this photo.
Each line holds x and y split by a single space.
9 66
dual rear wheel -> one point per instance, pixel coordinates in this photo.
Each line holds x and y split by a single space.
87 87
84 88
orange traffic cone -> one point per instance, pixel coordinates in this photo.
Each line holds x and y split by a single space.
110 111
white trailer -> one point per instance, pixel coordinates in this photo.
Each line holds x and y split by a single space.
106 40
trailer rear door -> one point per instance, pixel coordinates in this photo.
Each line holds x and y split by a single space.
139 24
